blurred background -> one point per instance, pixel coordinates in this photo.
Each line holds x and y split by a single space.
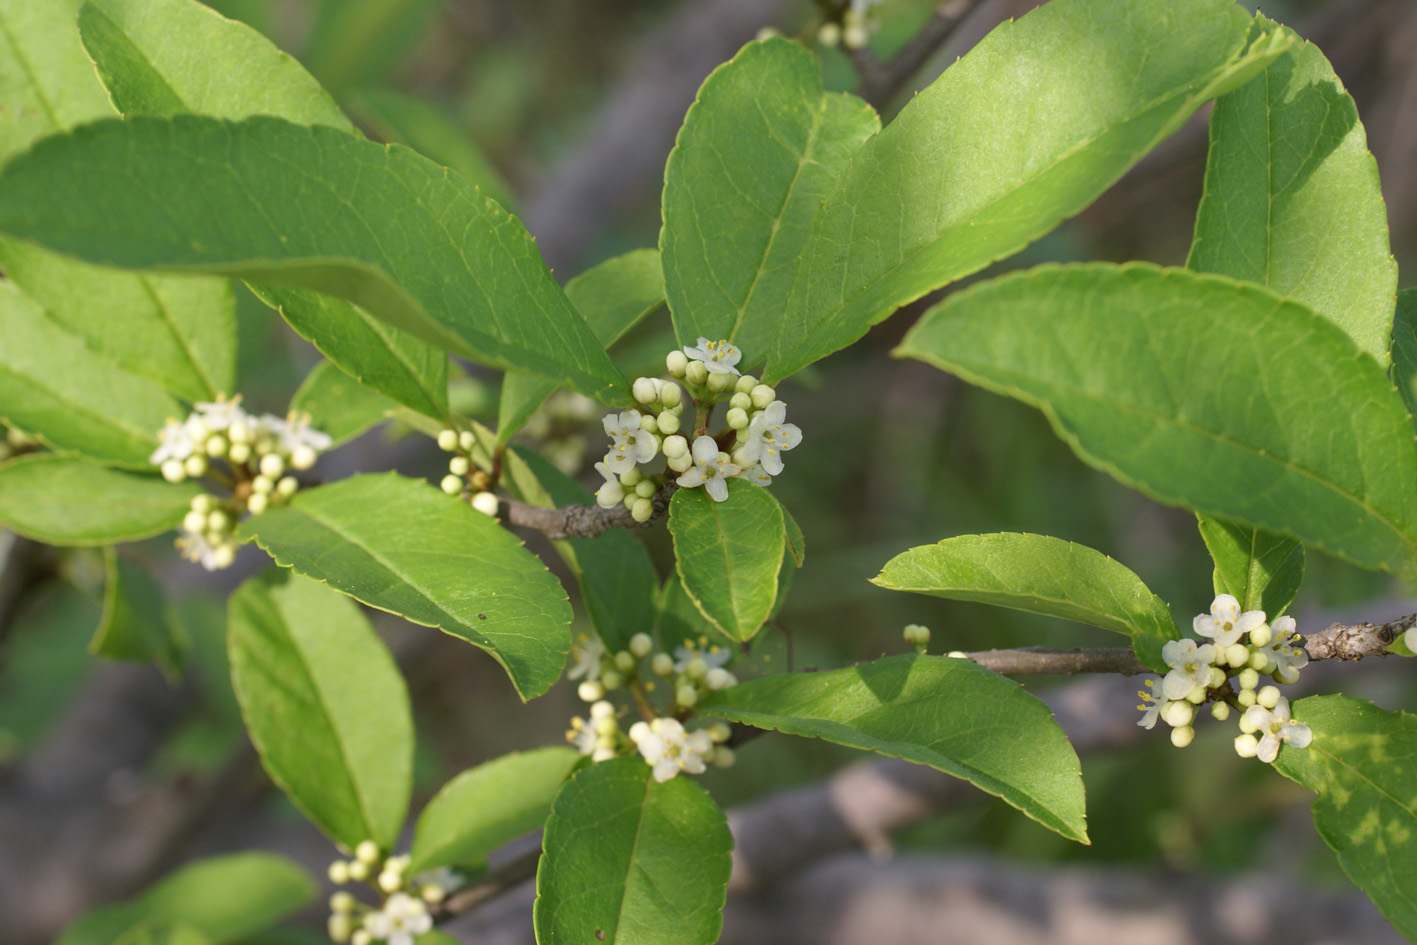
112 774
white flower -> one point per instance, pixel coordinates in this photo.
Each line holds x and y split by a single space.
719 357
1190 667
176 441
588 651
1224 625
1286 652
581 736
629 444
195 547
710 469
445 878
668 749
611 493
714 657
293 433
400 920
754 473
1275 726
1151 705
220 415
769 437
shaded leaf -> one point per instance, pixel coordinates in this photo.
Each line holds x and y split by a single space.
66 500
1404 348
136 624
325 705
1261 570
629 859
338 404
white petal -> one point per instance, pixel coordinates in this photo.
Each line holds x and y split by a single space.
1177 685
1250 621
717 489
1176 651
775 412
1298 735
693 476
1269 749
790 436
1225 609
664 770
704 450
693 764
1283 626
1204 625
771 461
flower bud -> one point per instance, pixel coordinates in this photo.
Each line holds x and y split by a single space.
217 445
679 463
302 457
433 894
720 382
671 395
606 725
1181 737
625 662
466 441
662 664
762 396
696 372
195 522
649 423
676 363
668 422
720 732
223 556
829 34
195 465
361 937
645 390
1178 714
611 680
719 678
1196 696
675 446
1247 725
238 453
1217 677
1246 746
340 926
451 484
737 419
631 477
448 440
459 465
174 471
1246 697
261 484
1261 635
257 503
239 432
696 668
686 696
1248 678
1268 697
486 503
723 756
287 486
641 644
646 488
358 870
642 510
1220 711
745 385
341 902
218 521
1237 655
590 691
601 710
390 882
339 872
367 852
1286 679
272 465
1260 661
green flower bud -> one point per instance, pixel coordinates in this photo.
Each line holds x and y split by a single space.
696 668
762 396
668 422
723 757
1220 711
671 395
1246 698
741 401
1268 697
737 419
302 457
287 486
466 440
1178 714
272 465
358 870
1217 677
696 373
448 440
625 662
662 664
1286 679
433 894
677 363
720 382
1261 635
645 488
642 510
218 521
217 445
339 872
1246 746
238 453
1181 737
361 937
486 503
174 471
649 423
340 927
1196 696
1260 661
645 390
459 465
261 484
686 696
367 852
203 503
640 645
451 484
195 522
258 503
632 477
195 465
239 432
745 385
679 463
611 680
1248 678
590 691
675 446
829 34
720 732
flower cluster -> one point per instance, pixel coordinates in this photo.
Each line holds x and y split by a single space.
858 22
257 452
1242 647
403 914
462 479
692 671
755 435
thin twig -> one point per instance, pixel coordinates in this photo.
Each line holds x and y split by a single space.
583 521
1353 642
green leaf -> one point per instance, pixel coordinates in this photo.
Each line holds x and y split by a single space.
760 149
325 705
1361 765
54 386
1037 574
143 53
45 664
488 806
67 500
613 297
1404 348
136 624
358 42
796 543
142 50
399 236
728 554
403 546
678 622
403 119
617 578
338 404
629 859
1292 198
1261 570
1024 131
179 333
225 898
950 714
1123 361
163 932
